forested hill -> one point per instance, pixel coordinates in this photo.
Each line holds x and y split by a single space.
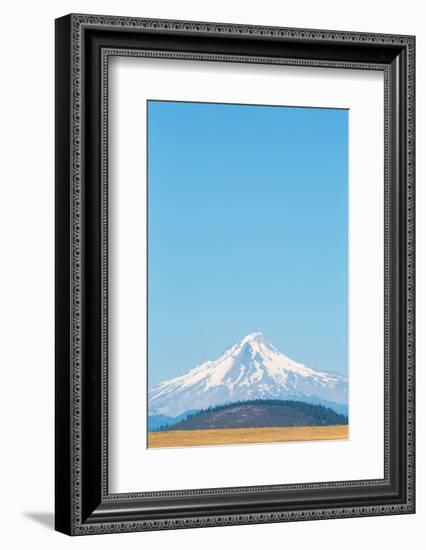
261 413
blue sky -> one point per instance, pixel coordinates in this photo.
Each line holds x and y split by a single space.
247 231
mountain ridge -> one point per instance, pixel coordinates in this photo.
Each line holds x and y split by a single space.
250 369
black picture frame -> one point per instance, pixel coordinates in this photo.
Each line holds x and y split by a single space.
83 45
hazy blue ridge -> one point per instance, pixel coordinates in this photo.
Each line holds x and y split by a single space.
340 408
157 421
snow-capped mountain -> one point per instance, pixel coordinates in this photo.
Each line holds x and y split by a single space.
251 369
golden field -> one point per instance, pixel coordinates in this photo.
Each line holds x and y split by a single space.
235 436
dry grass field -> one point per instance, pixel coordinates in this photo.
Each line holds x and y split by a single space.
235 436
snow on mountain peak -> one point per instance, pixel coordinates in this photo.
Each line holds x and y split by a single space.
250 369
252 336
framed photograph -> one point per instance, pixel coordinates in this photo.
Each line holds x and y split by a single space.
234 274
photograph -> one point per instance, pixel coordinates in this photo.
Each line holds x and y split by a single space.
247 224
211 285
234 271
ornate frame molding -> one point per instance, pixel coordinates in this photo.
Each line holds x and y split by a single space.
72 47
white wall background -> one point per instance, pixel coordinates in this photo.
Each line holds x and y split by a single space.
26 288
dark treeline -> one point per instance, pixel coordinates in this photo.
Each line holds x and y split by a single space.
258 413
